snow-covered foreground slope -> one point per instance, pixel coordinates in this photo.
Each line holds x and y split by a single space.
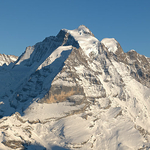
75 92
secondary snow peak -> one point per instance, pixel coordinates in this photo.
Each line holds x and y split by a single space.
111 44
7 59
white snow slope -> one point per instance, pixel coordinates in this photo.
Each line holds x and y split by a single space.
7 59
111 44
73 94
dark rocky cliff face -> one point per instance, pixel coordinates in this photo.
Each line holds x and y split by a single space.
138 65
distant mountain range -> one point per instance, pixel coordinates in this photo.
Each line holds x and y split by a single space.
72 91
7 59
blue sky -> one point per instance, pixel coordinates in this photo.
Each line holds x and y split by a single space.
25 22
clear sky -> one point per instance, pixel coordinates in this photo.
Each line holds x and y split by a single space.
25 22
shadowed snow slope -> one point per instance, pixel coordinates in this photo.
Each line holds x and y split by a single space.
72 91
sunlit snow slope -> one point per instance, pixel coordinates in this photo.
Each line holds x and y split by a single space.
72 91
7 59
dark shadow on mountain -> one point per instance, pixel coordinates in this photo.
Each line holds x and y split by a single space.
36 80
4 66
33 147
40 53
25 75
39 147
58 148
21 102
43 49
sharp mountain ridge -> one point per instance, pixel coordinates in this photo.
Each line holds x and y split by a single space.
7 59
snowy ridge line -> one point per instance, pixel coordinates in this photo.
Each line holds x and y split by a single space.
7 59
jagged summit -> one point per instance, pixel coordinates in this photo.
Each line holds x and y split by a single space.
83 29
7 59
72 91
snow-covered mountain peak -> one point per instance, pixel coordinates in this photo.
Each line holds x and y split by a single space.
82 29
7 59
85 39
111 44
132 50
